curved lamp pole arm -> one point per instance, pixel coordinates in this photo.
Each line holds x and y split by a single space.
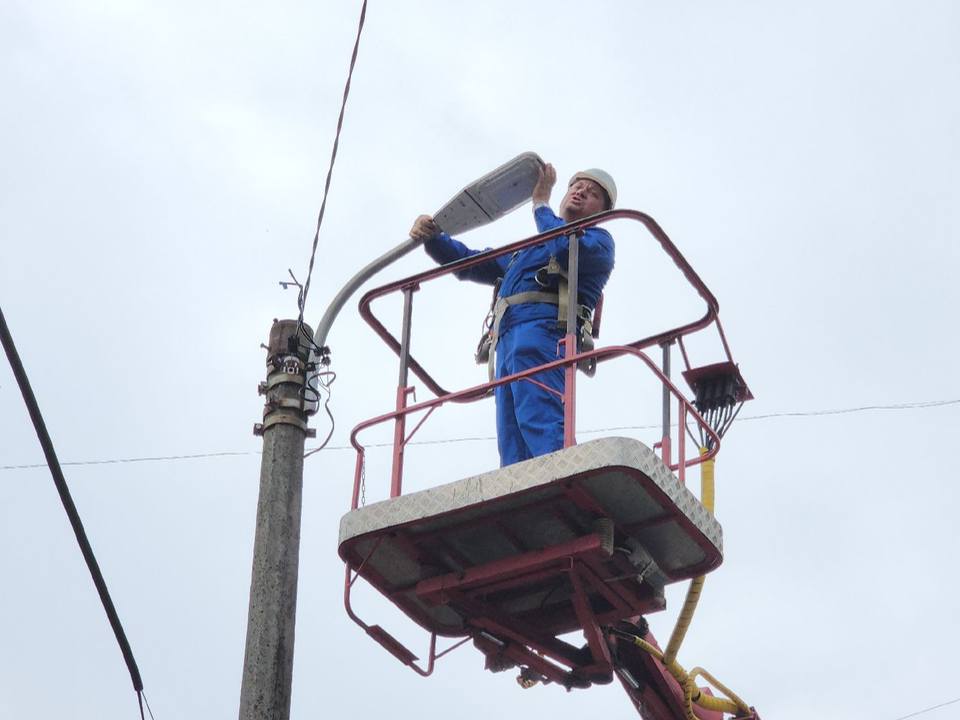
312 404
354 284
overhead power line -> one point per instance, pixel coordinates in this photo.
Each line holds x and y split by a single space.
490 438
302 301
61 483
864 408
119 461
921 712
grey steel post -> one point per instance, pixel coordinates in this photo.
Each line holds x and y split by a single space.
268 659
400 424
666 402
573 282
570 342
405 332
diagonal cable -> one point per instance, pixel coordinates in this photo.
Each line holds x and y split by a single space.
921 712
47 444
333 159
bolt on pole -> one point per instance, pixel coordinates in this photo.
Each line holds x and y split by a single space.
267 682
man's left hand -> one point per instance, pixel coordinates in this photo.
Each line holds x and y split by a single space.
544 186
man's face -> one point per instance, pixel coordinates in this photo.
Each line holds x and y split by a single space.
583 198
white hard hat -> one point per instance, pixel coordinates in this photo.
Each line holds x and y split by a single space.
601 178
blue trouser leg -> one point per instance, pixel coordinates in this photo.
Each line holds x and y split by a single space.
529 418
510 441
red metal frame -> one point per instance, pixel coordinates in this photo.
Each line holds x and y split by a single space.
710 317
508 639
480 392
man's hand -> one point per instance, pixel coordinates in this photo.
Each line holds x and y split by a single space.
544 186
424 228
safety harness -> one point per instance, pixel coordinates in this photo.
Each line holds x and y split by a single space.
486 349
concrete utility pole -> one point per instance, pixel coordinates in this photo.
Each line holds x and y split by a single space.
268 660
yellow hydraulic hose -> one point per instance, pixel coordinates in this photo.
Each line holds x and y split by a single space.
705 700
707 495
692 694
707 488
683 622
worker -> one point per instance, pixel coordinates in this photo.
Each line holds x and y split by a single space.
528 334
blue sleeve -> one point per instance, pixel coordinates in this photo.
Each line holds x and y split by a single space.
445 249
596 245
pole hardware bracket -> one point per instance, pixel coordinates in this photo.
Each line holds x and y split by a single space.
287 364
259 428
280 378
282 403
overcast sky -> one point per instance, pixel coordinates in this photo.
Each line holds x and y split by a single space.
162 166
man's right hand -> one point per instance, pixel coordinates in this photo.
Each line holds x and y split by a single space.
424 228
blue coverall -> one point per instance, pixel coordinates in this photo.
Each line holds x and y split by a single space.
530 419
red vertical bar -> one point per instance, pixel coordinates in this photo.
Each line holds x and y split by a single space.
399 430
570 392
681 442
357 474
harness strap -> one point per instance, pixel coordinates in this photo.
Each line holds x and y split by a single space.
533 296
500 308
585 315
552 268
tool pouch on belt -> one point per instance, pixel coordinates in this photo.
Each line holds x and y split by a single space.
586 344
484 347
